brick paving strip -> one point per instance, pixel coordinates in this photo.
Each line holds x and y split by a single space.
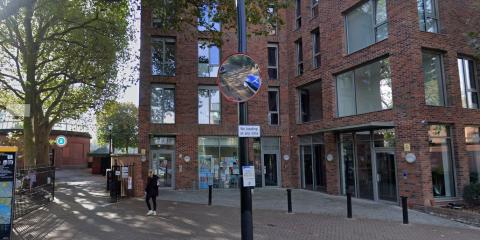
82 211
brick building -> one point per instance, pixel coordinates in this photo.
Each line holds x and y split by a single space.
352 90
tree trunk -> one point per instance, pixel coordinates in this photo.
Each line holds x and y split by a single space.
42 137
29 147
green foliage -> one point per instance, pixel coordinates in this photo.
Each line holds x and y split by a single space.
471 194
179 14
124 120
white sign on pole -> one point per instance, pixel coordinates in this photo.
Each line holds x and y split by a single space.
124 172
248 131
248 176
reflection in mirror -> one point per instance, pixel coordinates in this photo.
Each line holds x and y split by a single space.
239 78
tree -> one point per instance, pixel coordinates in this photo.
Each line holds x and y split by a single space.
178 14
124 120
61 58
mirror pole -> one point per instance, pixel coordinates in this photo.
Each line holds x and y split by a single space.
245 192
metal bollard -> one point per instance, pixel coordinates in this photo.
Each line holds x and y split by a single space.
289 200
405 209
349 205
210 189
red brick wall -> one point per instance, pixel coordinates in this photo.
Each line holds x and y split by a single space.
74 154
138 178
404 50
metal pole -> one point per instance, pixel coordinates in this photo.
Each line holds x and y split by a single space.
289 200
349 205
245 192
210 195
405 210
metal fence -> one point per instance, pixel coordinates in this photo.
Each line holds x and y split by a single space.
35 187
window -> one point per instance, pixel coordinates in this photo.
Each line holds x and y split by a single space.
207 20
365 89
272 61
310 97
208 59
468 83
435 91
273 106
428 15
314 8
316 48
218 159
162 16
163 104
299 56
440 148
208 105
298 14
366 25
163 56
272 25
472 139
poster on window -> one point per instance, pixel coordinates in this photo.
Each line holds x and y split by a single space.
204 171
7 186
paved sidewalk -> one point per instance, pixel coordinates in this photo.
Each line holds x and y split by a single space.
82 212
304 201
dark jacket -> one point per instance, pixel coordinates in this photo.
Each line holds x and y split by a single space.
152 188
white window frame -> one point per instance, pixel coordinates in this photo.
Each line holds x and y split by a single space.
163 41
315 37
465 82
277 90
208 45
273 45
209 88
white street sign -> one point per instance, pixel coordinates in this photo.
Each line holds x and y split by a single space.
248 131
248 176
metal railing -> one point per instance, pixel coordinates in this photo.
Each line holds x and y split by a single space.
34 188
17 125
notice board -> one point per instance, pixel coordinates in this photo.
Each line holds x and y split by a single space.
7 188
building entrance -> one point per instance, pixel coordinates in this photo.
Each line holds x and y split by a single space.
368 164
313 163
162 160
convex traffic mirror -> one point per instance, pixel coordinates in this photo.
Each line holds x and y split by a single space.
239 78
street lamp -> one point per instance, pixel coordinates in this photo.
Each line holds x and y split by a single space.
110 127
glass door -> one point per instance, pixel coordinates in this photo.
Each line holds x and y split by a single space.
386 176
162 166
364 166
307 167
320 168
270 161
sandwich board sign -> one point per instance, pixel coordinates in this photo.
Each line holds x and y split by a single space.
7 190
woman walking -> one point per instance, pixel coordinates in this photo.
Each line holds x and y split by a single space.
151 192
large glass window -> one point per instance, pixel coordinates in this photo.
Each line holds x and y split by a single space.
208 105
208 59
428 15
163 56
310 102
298 14
316 48
218 161
273 61
299 56
365 89
163 104
472 139
440 148
468 83
273 106
435 92
207 22
366 25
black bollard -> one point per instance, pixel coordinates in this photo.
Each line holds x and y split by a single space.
405 209
349 205
289 200
210 189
